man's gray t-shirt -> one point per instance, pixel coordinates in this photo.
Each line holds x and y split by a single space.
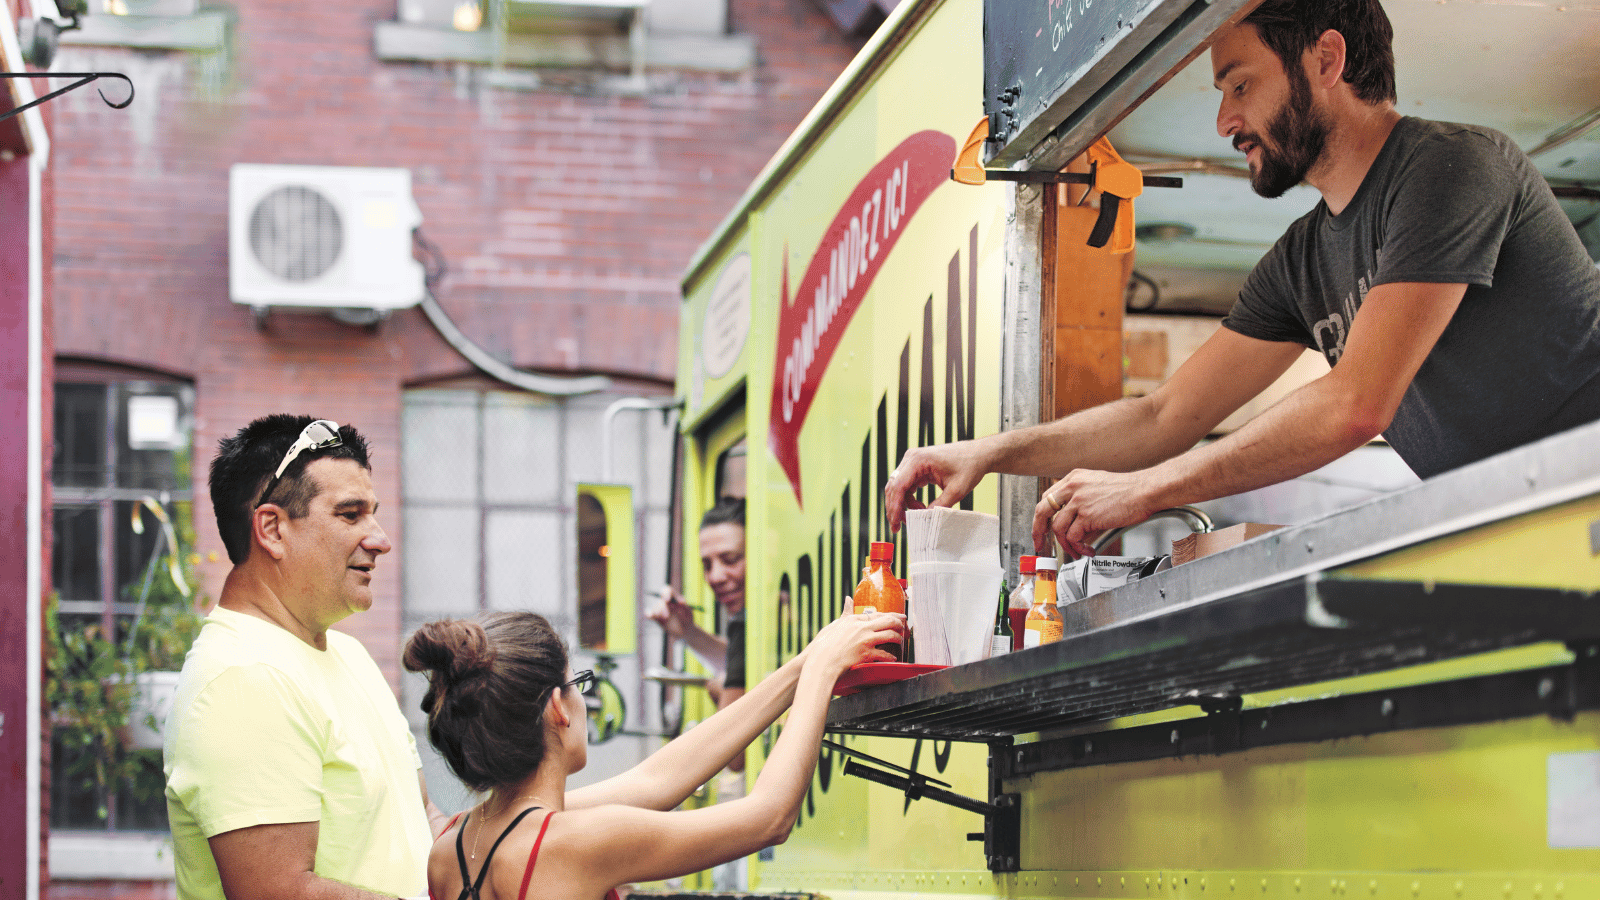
1449 204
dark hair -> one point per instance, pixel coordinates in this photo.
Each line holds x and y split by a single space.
488 680
1291 27
728 511
245 462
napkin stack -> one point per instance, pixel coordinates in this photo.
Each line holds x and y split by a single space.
955 571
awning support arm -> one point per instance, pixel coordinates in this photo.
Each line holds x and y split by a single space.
83 79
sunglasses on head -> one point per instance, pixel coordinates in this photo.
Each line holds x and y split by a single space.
319 435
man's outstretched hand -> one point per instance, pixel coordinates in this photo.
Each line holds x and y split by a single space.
955 468
1085 504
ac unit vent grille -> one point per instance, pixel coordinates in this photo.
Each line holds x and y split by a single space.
296 233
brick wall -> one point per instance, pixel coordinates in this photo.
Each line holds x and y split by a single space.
566 218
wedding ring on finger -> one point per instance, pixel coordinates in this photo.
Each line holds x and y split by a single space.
1054 504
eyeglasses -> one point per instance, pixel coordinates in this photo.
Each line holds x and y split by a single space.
319 435
582 680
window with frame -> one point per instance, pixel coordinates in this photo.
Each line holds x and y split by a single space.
567 34
121 492
147 24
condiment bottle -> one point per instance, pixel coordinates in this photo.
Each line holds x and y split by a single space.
1043 625
879 590
1000 644
1021 599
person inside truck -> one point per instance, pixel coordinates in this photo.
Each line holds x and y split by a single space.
722 561
507 715
1453 300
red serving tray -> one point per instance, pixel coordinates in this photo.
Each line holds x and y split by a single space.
858 678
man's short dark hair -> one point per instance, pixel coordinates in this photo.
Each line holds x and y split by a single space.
728 511
1291 27
245 463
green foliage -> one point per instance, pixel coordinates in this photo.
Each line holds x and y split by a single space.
90 675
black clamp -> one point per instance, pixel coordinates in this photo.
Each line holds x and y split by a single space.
1002 818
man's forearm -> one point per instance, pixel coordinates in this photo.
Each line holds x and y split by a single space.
710 648
1301 433
1116 437
315 887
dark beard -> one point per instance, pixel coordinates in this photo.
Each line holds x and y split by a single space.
1299 132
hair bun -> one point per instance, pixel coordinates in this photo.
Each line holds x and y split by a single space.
456 650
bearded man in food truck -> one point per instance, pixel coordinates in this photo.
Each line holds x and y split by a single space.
1454 302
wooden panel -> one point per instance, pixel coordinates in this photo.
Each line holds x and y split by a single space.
1085 291
1147 354
1088 370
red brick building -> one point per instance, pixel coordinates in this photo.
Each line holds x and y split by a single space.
566 162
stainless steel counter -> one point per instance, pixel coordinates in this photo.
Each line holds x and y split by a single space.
1263 615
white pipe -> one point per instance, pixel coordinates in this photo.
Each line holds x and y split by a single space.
550 385
617 406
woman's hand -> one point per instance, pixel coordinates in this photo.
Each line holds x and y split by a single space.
853 639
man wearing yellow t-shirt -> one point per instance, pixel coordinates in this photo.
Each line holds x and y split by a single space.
291 773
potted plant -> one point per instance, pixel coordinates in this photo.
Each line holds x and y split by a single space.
109 694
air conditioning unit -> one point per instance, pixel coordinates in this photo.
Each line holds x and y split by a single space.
323 237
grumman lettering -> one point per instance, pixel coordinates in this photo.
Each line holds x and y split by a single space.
814 585
838 277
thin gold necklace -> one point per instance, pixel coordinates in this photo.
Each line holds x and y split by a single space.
486 819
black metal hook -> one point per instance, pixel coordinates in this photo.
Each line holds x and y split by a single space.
83 79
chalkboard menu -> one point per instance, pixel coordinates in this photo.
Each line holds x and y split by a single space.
1043 59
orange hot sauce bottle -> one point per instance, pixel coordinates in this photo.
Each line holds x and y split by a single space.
1043 625
879 590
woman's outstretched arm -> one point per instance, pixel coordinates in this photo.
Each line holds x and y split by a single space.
672 773
610 845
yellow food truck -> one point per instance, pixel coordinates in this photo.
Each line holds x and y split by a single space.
1392 699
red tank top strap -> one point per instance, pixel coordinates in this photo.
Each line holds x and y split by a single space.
533 857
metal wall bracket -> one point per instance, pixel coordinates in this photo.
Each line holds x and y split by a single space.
83 79
1002 816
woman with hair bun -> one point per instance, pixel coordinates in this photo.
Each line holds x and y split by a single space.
508 718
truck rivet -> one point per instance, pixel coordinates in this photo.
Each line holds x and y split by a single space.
1174 735
1546 688
1388 707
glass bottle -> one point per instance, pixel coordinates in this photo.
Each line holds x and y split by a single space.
1001 642
1043 625
1021 599
879 591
